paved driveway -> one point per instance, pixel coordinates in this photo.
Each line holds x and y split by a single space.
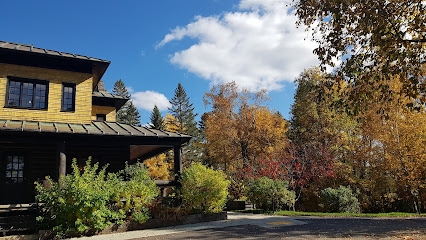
258 226
315 229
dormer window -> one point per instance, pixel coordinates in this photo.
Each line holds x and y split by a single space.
26 93
68 97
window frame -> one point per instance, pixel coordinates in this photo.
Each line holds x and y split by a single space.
26 80
4 168
73 86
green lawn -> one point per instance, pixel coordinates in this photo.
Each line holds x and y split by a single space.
320 214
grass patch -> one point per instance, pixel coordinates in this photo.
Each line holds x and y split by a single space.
254 211
321 214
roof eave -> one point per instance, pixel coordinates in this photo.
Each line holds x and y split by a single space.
99 69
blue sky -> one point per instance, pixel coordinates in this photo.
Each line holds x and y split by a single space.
154 45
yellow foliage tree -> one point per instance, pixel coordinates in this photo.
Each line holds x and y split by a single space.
158 167
394 145
171 124
161 166
239 129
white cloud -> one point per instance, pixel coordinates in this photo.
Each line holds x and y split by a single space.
130 89
148 99
257 46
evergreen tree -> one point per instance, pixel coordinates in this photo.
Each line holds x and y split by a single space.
132 116
120 89
128 114
156 119
183 111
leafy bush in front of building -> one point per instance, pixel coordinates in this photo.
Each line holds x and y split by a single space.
269 194
136 193
340 199
89 200
204 190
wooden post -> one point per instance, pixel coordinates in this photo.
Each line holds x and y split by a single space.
177 163
62 159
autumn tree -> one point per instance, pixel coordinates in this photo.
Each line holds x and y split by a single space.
158 167
400 137
385 37
171 124
320 120
315 122
239 128
128 114
377 151
156 119
299 165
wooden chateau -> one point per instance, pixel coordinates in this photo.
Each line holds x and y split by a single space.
53 109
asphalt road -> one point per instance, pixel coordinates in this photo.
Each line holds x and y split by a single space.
324 228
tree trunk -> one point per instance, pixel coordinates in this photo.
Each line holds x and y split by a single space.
415 195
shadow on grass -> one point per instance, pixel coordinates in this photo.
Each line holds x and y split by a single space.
322 214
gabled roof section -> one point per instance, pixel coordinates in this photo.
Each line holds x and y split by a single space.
24 54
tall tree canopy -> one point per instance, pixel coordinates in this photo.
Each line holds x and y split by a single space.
381 155
381 36
239 129
128 114
315 122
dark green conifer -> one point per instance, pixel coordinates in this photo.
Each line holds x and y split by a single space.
156 119
183 111
128 114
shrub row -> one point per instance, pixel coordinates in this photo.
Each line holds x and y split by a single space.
90 200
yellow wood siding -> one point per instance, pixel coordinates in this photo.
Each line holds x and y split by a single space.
83 96
108 111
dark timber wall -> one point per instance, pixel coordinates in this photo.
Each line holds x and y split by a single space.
41 160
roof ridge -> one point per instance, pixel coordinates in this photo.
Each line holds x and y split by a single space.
31 46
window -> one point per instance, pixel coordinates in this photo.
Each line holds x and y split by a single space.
101 117
27 93
68 97
14 169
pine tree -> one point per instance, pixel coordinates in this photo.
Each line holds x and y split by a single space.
183 111
132 115
120 89
128 114
156 119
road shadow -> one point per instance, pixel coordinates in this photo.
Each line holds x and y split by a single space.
315 228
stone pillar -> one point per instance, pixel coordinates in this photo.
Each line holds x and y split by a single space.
62 159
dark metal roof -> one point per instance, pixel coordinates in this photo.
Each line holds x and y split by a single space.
31 48
28 55
103 98
108 95
94 128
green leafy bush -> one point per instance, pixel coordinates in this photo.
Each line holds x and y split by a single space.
89 200
341 199
270 194
203 189
136 193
